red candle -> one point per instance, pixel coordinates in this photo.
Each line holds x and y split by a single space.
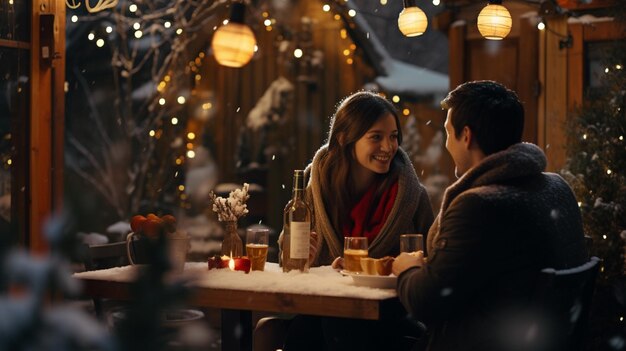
218 262
241 263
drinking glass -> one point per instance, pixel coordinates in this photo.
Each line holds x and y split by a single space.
354 248
256 247
411 243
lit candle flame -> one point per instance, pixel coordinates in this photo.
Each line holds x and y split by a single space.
231 264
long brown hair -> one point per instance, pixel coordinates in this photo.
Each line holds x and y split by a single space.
355 115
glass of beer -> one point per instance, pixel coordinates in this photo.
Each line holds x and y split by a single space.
411 243
256 247
354 248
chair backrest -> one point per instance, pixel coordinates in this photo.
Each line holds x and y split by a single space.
113 255
564 297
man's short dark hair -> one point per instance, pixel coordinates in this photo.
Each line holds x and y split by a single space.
493 113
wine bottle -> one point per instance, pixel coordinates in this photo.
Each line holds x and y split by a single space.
296 228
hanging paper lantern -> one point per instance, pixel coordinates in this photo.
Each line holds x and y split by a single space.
494 22
233 43
412 21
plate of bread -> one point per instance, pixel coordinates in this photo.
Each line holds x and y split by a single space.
376 273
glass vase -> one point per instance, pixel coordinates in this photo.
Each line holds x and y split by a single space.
232 245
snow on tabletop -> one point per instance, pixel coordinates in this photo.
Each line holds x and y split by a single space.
319 281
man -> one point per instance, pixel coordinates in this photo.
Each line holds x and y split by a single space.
499 224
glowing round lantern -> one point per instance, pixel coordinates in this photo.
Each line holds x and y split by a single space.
233 43
494 21
412 20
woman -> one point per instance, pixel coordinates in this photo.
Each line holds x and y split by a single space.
361 183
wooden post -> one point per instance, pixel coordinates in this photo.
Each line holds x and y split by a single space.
555 84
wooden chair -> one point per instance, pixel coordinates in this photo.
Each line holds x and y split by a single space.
564 298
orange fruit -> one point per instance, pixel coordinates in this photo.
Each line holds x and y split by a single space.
169 223
137 222
153 227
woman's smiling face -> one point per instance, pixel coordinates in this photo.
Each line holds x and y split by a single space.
377 147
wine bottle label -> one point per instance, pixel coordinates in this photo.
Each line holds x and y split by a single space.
300 239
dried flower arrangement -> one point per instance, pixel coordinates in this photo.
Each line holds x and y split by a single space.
233 207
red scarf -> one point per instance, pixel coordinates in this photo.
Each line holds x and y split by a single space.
370 227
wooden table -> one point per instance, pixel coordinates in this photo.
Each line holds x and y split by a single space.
322 292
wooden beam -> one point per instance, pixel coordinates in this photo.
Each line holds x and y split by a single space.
541 101
609 30
556 93
40 97
528 75
58 105
14 44
456 63
575 58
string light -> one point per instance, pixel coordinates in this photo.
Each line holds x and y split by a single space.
161 101
132 8
181 100
151 132
297 53
191 154
100 43
395 99
351 13
326 8
91 36
167 24
109 29
74 18
174 121
541 25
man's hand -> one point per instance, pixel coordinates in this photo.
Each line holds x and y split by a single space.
407 260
